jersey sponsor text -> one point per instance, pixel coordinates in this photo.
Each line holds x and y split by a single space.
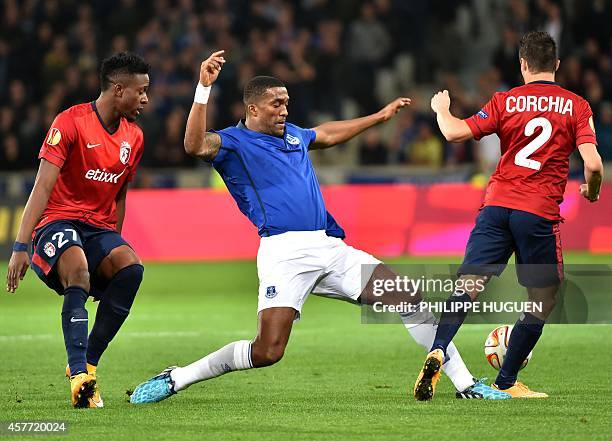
103 175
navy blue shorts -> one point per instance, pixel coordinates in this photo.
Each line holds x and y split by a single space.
501 231
53 239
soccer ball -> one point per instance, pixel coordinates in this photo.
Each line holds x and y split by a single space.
496 346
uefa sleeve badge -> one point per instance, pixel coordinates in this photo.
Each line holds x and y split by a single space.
54 137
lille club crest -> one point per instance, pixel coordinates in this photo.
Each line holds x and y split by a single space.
49 249
125 152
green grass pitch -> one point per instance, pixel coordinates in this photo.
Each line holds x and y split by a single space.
339 380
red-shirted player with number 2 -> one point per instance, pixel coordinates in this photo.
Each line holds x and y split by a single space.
539 125
75 214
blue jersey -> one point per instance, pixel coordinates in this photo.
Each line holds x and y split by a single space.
272 179
334 229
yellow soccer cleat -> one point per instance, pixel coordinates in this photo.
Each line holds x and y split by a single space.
519 390
82 389
96 399
425 386
91 370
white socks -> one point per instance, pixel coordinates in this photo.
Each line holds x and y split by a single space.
455 368
237 356
422 327
232 357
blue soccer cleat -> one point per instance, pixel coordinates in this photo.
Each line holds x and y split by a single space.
480 391
156 389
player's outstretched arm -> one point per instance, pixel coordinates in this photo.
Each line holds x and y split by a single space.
337 132
453 129
120 203
197 141
593 171
37 202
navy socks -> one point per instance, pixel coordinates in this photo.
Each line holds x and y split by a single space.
525 335
74 325
450 322
113 309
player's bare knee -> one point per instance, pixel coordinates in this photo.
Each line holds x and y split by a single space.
473 295
266 355
472 285
129 257
387 287
78 276
544 300
273 355
547 306
118 259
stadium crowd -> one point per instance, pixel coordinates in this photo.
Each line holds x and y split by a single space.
339 59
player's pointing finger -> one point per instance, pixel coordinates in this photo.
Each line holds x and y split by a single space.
10 281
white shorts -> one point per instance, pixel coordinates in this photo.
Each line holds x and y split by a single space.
294 264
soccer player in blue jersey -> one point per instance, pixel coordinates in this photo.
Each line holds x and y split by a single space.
265 165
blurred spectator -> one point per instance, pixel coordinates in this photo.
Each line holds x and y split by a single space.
570 74
372 150
505 58
604 131
552 22
329 68
368 45
519 17
330 54
168 151
405 133
18 99
427 148
4 66
56 61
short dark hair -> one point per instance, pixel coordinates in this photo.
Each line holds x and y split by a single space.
257 86
539 50
121 63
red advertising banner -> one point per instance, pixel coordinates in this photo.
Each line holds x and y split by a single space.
385 220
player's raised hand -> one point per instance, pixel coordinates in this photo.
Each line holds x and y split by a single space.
584 192
440 101
210 68
394 107
18 265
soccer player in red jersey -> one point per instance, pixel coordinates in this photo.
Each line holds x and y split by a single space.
539 125
75 213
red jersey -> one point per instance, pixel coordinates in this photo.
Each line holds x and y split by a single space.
539 126
95 165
